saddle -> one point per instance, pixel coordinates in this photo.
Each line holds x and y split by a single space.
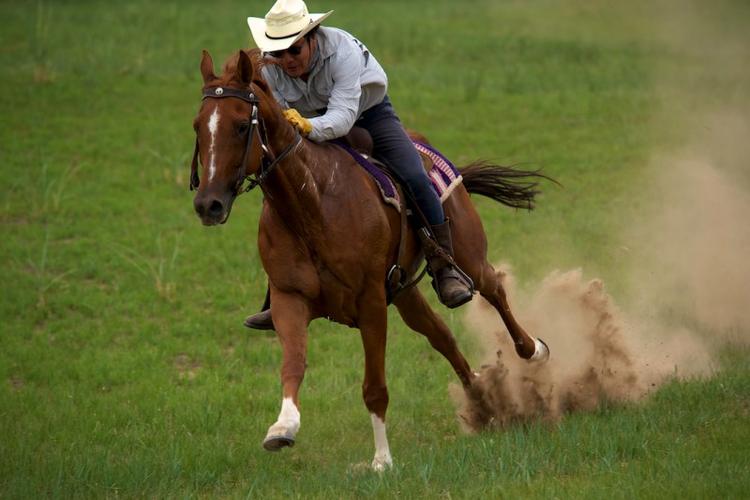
359 140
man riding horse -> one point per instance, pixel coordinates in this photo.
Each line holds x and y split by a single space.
325 237
328 82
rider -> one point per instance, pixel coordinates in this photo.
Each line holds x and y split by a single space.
328 81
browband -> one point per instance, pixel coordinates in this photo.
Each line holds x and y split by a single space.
218 92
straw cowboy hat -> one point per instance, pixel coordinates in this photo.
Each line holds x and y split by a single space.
284 24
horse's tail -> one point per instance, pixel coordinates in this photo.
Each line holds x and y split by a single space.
508 185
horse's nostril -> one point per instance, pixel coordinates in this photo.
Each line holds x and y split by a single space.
216 208
199 207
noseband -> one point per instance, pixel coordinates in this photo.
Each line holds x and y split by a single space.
267 159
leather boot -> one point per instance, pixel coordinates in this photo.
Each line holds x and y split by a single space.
260 321
453 288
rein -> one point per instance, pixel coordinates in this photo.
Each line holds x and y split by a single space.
266 164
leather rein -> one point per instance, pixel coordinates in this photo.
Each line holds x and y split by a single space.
267 160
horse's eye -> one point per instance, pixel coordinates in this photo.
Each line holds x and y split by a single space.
242 127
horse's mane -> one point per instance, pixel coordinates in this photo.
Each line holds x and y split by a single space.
229 71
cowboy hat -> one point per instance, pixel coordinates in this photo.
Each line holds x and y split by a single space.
284 24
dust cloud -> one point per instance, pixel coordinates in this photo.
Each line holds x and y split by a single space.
696 248
598 355
688 281
688 297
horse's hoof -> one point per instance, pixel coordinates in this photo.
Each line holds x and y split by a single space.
277 442
381 464
541 352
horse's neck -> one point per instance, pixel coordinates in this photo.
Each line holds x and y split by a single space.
295 187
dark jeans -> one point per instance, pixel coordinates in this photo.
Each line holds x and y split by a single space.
393 147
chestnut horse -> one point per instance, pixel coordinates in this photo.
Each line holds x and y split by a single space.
327 240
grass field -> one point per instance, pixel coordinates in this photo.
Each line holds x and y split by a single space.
124 366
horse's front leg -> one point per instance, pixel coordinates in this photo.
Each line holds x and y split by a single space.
373 326
291 316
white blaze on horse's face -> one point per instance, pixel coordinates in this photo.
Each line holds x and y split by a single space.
213 128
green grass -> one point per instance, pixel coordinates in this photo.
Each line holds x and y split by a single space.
124 367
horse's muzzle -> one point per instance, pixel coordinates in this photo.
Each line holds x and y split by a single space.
211 209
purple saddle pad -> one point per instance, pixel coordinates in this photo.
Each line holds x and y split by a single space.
443 175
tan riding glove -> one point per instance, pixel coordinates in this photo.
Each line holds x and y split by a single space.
300 122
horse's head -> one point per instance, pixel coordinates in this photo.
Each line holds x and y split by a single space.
227 140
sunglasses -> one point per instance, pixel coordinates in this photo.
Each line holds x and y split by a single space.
294 50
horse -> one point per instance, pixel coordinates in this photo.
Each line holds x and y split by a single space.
326 239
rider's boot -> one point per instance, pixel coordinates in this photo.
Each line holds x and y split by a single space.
453 288
261 320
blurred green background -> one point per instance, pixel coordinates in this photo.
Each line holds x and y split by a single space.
124 366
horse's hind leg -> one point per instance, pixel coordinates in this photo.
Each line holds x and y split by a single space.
490 286
470 247
420 317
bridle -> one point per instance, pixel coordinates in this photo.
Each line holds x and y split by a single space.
267 160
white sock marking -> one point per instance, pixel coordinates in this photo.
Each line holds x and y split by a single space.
213 127
382 458
289 416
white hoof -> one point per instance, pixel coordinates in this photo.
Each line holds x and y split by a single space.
541 352
281 434
380 464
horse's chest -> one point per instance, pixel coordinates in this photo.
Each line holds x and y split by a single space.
332 286
334 273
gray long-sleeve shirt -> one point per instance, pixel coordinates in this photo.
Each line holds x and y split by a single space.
345 80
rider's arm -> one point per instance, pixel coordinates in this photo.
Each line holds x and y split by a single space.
347 65
271 77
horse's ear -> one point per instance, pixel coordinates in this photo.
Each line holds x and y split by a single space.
207 67
244 68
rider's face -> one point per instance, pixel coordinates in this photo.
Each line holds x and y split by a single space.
295 61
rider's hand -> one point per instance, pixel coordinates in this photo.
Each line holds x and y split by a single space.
300 122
